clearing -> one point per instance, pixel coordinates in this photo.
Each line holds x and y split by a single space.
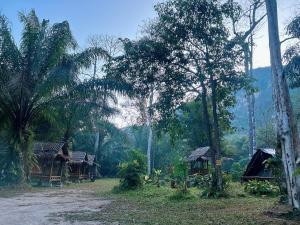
94 204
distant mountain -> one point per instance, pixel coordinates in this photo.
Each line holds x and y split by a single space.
263 101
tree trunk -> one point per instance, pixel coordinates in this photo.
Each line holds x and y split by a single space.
150 132
96 146
207 117
217 140
250 101
286 126
214 153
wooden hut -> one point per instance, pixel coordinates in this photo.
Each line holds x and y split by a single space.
198 161
256 169
78 166
51 160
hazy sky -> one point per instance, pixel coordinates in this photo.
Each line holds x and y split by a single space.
122 18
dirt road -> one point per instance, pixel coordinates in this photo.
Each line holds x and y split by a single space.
50 207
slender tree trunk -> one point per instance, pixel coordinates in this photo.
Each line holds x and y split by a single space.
286 126
150 132
217 140
250 101
97 134
96 145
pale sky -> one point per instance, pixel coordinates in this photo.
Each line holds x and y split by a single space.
123 18
287 9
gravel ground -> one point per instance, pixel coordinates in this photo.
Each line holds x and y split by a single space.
46 208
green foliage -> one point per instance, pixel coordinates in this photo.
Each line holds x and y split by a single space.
261 188
292 54
39 73
210 191
237 171
276 166
131 172
157 175
182 196
10 166
202 181
180 174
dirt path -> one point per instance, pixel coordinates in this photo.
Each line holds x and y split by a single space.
45 208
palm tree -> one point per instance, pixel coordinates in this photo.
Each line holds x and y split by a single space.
39 72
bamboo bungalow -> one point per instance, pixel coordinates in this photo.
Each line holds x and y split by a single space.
79 166
256 169
198 161
51 160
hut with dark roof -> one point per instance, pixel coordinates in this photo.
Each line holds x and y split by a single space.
198 161
51 159
79 166
256 169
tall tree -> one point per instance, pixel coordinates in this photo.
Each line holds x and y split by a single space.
113 47
140 65
286 126
245 40
200 63
34 76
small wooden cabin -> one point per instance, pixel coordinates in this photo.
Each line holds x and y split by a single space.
256 169
79 166
51 160
198 161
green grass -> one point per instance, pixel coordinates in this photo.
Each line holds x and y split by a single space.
152 205
158 206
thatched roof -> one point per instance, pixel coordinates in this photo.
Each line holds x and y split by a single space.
199 153
49 149
257 162
78 157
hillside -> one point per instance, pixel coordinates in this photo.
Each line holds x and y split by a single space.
263 101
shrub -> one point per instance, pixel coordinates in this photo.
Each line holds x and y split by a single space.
131 172
236 171
261 188
157 175
181 196
180 175
211 192
202 181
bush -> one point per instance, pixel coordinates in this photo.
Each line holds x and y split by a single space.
238 168
10 165
236 171
261 188
211 192
202 181
131 172
157 175
180 175
181 196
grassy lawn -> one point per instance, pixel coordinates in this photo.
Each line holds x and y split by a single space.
152 205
